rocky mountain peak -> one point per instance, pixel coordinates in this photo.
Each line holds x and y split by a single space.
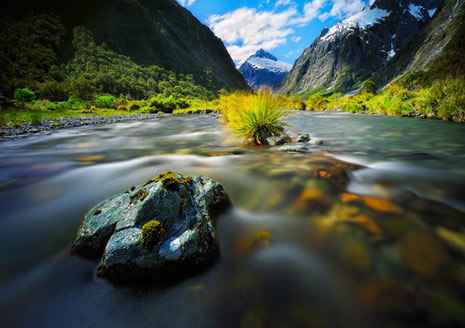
261 53
350 52
263 69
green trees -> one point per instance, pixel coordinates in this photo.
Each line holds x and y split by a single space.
24 95
29 58
28 49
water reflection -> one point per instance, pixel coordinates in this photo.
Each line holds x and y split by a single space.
366 229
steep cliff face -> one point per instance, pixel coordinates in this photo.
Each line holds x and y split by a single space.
437 50
352 50
149 32
264 70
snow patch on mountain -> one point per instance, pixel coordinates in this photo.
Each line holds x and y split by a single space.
362 20
269 64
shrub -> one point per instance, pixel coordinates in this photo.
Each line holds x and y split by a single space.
301 105
317 102
182 103
53 90
399 91
260 118
169 104
134 106
105 101
24 95
353 105
368 87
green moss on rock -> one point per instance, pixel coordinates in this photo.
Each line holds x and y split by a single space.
139 196
152 233
170 180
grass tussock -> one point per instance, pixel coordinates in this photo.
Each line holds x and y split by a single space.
254 117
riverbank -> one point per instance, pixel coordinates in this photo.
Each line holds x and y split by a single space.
26 128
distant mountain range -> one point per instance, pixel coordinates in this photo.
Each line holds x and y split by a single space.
264 70
357 48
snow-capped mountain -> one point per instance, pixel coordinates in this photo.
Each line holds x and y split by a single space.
354 49
264 69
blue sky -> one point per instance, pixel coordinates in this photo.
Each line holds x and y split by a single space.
283 27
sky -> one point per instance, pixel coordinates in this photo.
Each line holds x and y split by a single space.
283 27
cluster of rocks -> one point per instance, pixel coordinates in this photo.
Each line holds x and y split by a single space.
162 228
301 144
26 128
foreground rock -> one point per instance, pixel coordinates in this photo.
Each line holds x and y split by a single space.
163 227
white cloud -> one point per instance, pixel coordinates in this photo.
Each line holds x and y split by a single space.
345 8
282 3
311 11
245 30
186 3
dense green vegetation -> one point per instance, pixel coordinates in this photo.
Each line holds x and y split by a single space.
444 99
29 56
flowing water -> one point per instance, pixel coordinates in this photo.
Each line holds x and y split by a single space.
367 230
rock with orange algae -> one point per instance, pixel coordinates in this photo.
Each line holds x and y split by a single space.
367 224
381 205
311 198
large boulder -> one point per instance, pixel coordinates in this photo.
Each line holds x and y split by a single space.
162 227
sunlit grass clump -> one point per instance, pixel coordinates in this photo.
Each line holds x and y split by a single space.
254 117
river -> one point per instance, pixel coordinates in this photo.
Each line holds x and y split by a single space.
367 230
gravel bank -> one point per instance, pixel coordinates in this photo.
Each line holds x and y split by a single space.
28 128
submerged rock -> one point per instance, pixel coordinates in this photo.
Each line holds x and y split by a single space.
164 226
295 148
315 141
278 141
303 138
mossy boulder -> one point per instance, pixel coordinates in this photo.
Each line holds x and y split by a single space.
161 227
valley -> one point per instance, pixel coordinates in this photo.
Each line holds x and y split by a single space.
153 174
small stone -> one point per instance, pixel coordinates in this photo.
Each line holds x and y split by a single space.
303 138
278 141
